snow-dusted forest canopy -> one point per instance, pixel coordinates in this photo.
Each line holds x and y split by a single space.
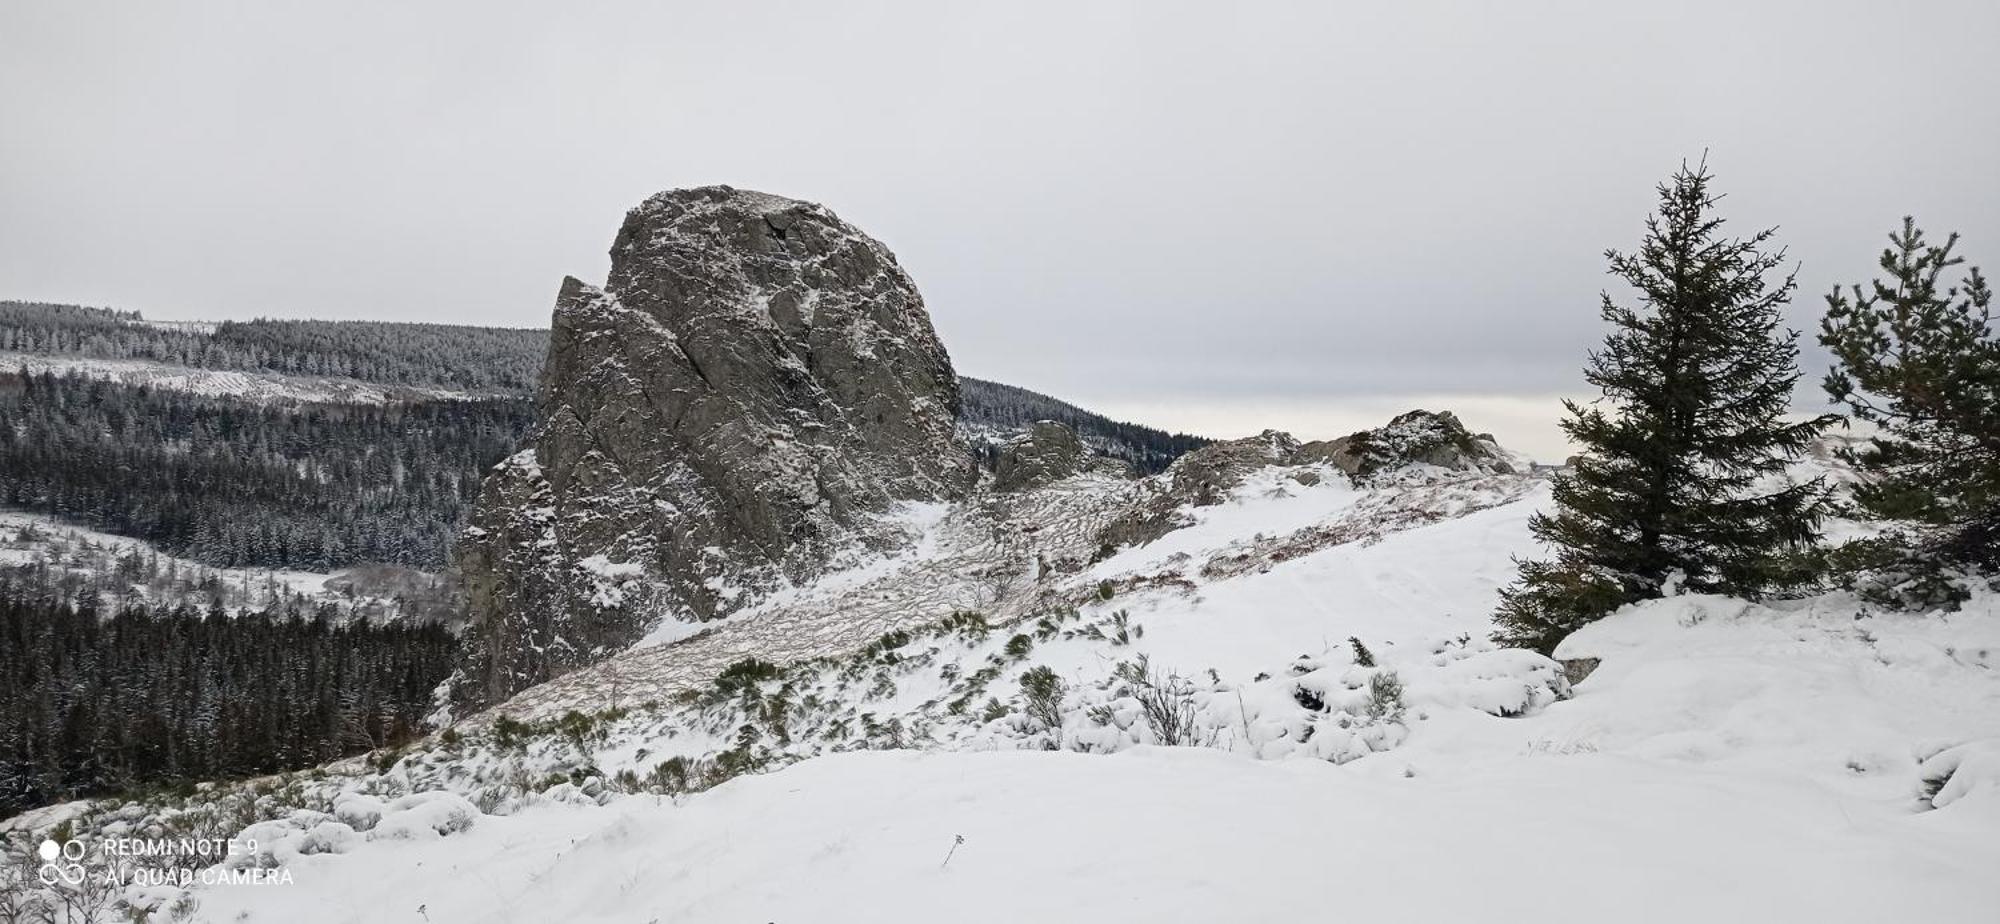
991 407
97 699
485 359
233 484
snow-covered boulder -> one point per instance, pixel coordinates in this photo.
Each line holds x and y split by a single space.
1417 438
425 815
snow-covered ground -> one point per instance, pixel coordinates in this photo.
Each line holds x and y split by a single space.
1725 763
227 383
121 568
1353 747
1329 555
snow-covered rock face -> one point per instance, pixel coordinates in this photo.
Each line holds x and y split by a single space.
1413 449
756 383
1048 452
735 412
1417 439
1013 558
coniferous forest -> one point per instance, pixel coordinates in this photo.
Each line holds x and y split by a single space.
994 406
314 487
95 701
483 359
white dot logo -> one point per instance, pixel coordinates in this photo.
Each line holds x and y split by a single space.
53 872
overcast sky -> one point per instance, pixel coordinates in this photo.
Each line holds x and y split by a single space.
1297 215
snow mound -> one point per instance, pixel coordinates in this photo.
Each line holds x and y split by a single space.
1824 685
425 815
1955 773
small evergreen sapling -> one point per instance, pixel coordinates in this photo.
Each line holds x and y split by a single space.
1385 697
1918 357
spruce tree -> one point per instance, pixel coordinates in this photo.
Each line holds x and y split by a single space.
1919 359
1676 480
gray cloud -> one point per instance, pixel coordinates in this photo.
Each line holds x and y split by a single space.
1140 205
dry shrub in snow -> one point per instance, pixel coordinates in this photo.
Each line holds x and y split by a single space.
1165 698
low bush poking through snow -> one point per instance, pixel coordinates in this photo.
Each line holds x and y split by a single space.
1165 698
1042 690
1385 697
1955 773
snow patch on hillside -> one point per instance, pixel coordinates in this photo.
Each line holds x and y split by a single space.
224 383
1013 558
120 569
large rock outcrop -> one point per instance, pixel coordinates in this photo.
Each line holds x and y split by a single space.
754 384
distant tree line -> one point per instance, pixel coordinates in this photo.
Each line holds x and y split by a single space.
996 407
93 702
482 359
232 484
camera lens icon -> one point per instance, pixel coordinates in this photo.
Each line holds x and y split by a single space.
54 870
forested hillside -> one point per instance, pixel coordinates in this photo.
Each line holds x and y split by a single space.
992 409
76 564
484 359
316 487
94 701
481 359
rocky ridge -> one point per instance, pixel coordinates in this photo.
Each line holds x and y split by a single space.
1060 540
756 401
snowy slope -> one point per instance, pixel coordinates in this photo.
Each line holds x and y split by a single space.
1339 572
1725 761
1724 764
225 383
132 569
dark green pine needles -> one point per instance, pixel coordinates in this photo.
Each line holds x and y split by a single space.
1919 359
1680 477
